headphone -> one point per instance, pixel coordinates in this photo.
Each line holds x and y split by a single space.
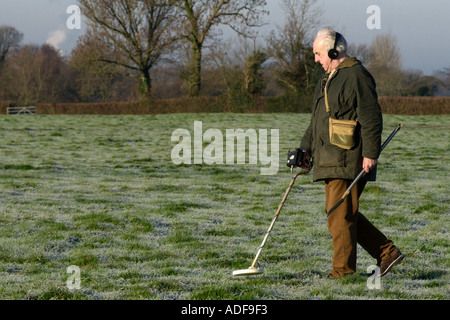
333 53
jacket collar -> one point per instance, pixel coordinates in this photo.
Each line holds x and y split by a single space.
347 63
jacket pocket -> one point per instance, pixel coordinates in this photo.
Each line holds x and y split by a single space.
330 156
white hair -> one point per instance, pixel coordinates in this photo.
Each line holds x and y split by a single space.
329 35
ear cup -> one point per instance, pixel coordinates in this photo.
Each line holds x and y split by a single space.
333 53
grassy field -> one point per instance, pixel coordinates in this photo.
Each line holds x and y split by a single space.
102 193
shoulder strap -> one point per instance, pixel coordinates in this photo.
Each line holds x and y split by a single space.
325 90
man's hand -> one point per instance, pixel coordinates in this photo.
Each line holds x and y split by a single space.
306 160
369 164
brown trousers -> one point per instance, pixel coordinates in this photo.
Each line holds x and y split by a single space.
348 227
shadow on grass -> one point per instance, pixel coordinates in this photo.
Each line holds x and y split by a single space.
430 275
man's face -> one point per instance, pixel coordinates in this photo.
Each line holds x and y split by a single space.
321 55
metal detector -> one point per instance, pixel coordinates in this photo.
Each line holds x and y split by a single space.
254 269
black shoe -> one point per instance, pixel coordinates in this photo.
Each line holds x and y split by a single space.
386 265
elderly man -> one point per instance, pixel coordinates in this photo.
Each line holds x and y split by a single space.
346 92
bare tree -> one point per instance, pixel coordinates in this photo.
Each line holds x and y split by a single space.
290 45
386 52
35 74
240 64
21 74
199 17
227 60
362 52
130 35
94 78
386 66
10 38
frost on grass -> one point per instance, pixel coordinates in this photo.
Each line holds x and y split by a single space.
102 193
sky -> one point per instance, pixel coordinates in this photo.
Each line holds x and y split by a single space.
422 28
